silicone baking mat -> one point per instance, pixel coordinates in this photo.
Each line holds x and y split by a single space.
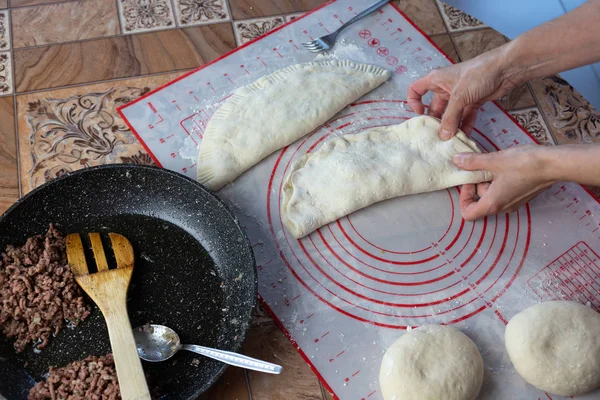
347 291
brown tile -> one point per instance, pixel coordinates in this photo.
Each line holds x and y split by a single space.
242 9
444 42
191 13
119 57
23 3
145 16
519 98
295 382
474 43
424 13
63 22
3 3
570 117
250 29
65 130
532 121
231 386
9 181
595 190
457 20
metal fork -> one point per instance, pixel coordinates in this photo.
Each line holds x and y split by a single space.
325 43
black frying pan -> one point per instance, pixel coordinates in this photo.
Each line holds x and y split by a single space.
194 270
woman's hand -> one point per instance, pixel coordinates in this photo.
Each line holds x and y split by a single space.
461 89
519 174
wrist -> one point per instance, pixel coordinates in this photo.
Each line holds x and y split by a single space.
548 164
514 69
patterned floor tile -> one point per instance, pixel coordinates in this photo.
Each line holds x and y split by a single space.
68 129
291 17
145 15
3 4
532 121
424 13
5 30
9 181
296 381
120 57
570 117
26 3
248 30
444 42
244 9
200 12
472 44
6 78
63 22
456 20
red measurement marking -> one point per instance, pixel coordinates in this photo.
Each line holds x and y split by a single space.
391 60
310 316
356 373
173 155
278 53
151 126
396 31
291 41
416 50
389 20
401 70
372 393
587 213
263 63
374 42
213 89
325 334
504 321
152 107
383 51
339 354
296 297
408 39
195 98
595 230
365 34
170 136
175 102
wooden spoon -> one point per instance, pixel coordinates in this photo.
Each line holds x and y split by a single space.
108 289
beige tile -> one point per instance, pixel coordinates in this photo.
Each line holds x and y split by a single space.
250 29
25 3
456 20
243 9
471 44
63 22
6 75
3 3
192 12
520 97
570 117
444 42
9 181
295 382
424 13
231 386
532 121
145 16
65 130
4 30
119 57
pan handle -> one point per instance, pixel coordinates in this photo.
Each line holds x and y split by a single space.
235 359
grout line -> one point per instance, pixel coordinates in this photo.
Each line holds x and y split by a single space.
119 16
182 70
248 384
15 109
44 4
441 16
323 394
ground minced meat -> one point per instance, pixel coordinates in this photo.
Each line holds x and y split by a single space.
38 291
93 378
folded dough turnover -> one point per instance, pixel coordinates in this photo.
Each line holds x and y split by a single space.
277 110
354 171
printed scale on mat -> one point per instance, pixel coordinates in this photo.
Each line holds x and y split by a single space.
346 292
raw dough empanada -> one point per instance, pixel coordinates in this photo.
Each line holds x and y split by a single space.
354 171
277 110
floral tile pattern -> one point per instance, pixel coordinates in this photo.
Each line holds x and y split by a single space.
80 131
6 79
200 12
531 119
457 20
4 30
571 118
248 30
145 15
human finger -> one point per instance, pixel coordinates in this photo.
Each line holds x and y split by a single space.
452 117
416 91
474 161
468 119
437 106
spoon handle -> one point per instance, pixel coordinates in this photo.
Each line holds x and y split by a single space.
235 359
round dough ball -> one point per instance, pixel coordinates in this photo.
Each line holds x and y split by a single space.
431 362
555 346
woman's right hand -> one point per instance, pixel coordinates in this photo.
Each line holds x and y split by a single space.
460 89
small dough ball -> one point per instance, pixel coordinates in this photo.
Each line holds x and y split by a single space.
555 346
432 362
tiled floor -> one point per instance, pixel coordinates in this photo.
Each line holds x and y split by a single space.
66 65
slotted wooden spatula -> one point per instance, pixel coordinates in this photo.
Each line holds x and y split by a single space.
108 289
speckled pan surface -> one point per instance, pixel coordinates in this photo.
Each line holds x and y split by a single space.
194 271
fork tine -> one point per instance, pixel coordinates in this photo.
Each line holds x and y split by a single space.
315 47
317 50
75 255
309 45
122 249
98 250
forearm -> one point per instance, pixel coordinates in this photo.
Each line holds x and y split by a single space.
570 41
572 163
